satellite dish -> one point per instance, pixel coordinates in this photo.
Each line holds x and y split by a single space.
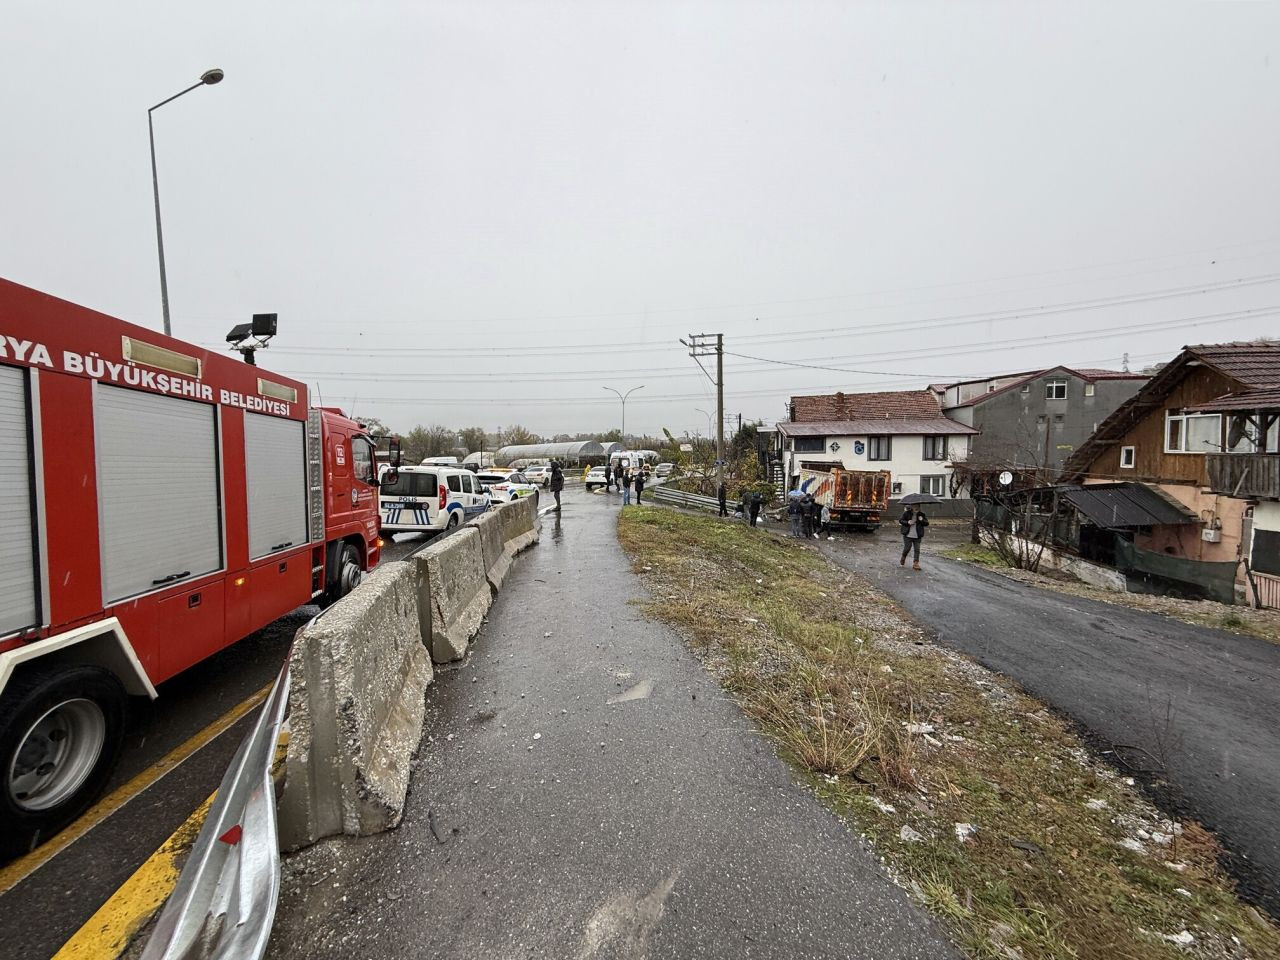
1006 478
1238 431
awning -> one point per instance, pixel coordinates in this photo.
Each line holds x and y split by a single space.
1117 506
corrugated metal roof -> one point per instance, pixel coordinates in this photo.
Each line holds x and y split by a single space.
1115 506
530 451
873 427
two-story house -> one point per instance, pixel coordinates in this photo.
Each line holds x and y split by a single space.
1204 432
1030 423
902 431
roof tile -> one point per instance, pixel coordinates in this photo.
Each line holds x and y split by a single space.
863 406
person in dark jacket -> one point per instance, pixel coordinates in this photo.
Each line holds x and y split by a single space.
912 523
722 494
814 509
795 510
754 505
608 477
638 482
624 483
557 481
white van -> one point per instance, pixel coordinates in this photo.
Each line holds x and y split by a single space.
428 499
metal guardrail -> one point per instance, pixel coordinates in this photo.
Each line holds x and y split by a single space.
225 900
679 498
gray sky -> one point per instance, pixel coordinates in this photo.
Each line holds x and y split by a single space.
483 213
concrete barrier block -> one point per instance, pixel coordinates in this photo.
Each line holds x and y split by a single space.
453 567
358 682
493 548
519 525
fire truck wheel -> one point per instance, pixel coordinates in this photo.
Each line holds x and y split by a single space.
349 572
60 734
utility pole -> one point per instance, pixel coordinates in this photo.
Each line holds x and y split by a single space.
700 345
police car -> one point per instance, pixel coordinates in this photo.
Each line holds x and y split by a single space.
504 486
428 499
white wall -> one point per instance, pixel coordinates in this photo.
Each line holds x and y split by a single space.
907 463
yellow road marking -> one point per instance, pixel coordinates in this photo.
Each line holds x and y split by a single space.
108 932
20 869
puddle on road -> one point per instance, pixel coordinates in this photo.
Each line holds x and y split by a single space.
640 691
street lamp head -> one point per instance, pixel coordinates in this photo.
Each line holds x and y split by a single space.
212 76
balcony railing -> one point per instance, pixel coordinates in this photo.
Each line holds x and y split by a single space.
1250 475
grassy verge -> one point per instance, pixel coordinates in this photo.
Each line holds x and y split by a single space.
986 806
1264 624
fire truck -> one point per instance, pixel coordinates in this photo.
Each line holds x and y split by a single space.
158 502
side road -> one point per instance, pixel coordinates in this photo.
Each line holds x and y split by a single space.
1199 703
587 791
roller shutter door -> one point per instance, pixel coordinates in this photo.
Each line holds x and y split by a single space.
276 479
157 489
17 546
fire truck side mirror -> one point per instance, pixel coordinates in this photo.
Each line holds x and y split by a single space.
393 451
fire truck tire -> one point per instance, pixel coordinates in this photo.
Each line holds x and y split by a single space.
61 731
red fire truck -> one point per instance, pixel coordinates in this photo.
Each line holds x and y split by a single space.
158 502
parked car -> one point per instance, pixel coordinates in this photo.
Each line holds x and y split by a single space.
594 478
664 470
539 473
430 499
505 486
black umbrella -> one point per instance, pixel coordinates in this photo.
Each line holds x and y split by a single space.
911 499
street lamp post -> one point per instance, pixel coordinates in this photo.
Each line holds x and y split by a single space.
208 78
623 398
710 432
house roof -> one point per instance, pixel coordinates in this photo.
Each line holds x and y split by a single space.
1254 366
862 406
876 427
1089 374
1245 400
1117 506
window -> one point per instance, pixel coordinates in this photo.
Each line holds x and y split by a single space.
1026 388
362 458
455 483
410 485
879 448
1055 389
1089 389
1128 456
467 486
1192 432
1058 418
1042 419
935 448
811 444
897 486
933 485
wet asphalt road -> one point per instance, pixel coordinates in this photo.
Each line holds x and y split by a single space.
1202 702
546 821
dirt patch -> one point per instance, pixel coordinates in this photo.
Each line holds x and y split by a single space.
985 804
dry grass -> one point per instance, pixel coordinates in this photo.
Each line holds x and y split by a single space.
1067 861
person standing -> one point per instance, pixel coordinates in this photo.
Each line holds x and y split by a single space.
608 477
815 518
557 481
826 522
755 504
624 483
912 523
639 484
722 495
795 510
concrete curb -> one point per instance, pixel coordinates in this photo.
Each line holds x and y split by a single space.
519 525
454 572
357 701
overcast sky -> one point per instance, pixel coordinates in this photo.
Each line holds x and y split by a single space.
484 213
